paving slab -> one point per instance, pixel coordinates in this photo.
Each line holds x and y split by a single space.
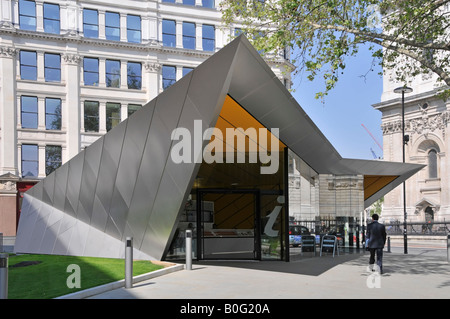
342 277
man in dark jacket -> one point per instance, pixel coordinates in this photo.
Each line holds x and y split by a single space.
376 235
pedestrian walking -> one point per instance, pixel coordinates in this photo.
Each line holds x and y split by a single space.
376 235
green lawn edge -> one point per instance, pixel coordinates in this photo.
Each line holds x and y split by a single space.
57 275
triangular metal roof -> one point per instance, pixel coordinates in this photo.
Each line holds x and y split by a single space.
126 185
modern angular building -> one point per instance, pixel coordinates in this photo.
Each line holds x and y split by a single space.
70 70
212 153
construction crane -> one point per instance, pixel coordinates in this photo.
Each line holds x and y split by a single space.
373 137
373 153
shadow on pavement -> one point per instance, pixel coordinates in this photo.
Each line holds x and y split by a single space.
310 266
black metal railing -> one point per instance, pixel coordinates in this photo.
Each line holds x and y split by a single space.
419 228
392 228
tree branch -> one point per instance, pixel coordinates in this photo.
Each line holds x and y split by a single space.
380 36
419 58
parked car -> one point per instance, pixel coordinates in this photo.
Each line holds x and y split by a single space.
295 234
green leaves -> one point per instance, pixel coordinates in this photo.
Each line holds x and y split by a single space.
323 33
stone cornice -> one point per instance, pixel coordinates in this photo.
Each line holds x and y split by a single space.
420 125
150 46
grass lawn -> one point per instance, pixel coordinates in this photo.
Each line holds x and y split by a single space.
48 278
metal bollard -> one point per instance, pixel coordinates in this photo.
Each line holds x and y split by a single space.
3 276
188 249
389 244
129 263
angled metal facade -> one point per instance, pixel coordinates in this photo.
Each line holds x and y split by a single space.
125 184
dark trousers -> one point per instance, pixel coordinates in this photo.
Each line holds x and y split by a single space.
379 253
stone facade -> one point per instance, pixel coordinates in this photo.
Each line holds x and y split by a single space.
426 123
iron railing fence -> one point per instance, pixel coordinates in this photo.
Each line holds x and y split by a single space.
419 228
392 228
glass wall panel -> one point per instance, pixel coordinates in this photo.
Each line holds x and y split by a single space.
234 209
322 204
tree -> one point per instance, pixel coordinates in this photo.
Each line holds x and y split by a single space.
323 33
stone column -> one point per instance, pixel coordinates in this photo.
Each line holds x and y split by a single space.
123 27
39 15
8 111
42 162
151 77
102 117
179 34
198 36
72 105
101 24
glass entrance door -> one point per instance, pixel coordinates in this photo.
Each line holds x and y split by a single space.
227 223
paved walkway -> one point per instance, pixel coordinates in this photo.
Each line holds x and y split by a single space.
341 277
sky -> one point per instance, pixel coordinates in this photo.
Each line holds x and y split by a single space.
340 115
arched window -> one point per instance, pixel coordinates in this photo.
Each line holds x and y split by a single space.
432 164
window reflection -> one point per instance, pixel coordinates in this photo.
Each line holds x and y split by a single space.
51 18
133 28
324 204
27 15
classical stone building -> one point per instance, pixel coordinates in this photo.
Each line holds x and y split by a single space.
426 125
71 70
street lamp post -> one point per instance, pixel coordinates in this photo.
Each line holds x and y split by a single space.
403 90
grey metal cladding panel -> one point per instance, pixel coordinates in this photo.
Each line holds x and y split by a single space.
267 99
73 184
48 189
78 239
89 180
157 152
38 190
63 241
39 228
154 159
132 150
163 217
182 173
170 103
211 80
51 232
248 74
99 214
375 167
59 197
111 151
67 222
115 225
143 192
28 219
111 154
174 187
